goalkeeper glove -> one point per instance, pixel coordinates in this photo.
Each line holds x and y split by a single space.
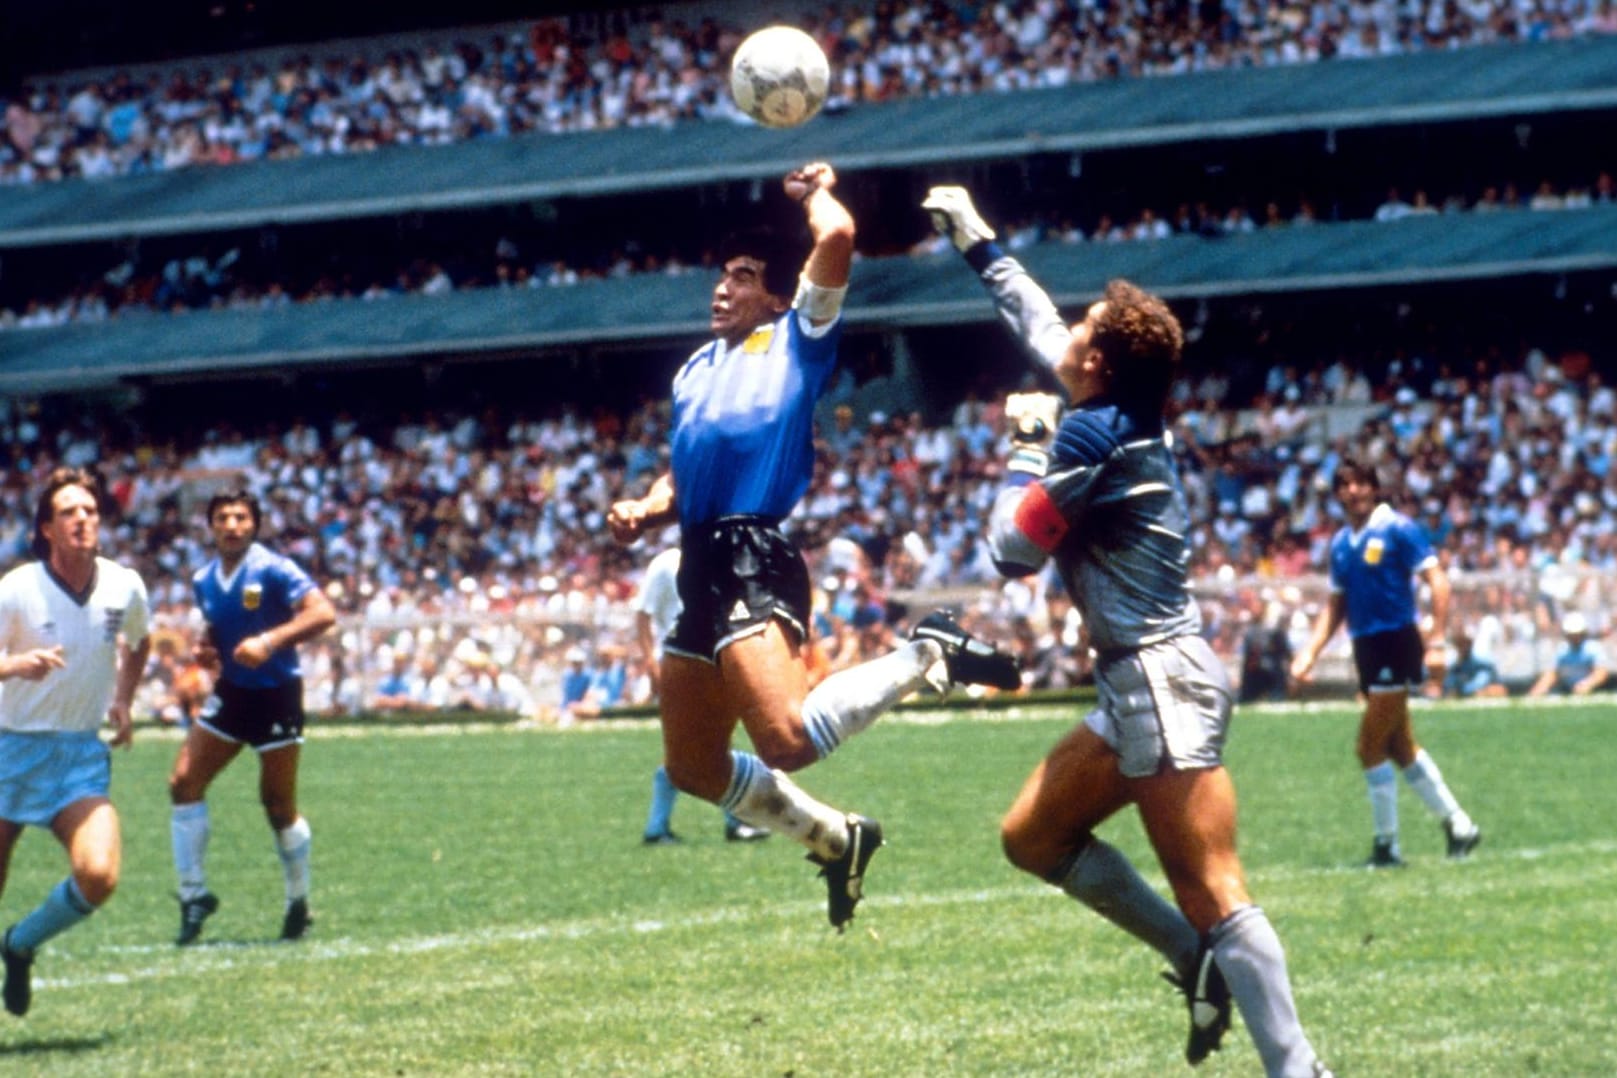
1032 418
954 216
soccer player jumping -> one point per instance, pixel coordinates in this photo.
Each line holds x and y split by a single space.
743 455
1098 492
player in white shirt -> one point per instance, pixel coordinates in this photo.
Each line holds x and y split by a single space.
73 644
656 608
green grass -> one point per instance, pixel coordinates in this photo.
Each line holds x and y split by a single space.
485 907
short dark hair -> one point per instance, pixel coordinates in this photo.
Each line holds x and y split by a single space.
782 258
1351 468
45 509
1140 339
237 497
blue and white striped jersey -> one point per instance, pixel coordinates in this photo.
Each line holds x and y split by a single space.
743 424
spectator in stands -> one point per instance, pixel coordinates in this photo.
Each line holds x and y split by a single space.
1265 652
1470 675
1581 666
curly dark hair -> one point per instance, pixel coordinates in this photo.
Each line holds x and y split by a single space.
1141 340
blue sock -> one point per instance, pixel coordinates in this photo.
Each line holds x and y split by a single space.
63 908
663 796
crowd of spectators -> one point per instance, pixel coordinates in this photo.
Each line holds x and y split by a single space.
225 279
468 549
547 77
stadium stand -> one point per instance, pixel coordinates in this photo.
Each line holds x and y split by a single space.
1468 353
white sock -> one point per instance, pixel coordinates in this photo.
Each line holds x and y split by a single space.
1383 782
1426 780
188 834
766 798
292 843
849 701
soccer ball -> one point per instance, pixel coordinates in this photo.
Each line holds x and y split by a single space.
779 76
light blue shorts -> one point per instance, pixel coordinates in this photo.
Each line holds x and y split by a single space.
43 773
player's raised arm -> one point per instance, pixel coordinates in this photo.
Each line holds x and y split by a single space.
826 270
1024 307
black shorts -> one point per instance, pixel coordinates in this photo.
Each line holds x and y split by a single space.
1391 661
262 718
736 574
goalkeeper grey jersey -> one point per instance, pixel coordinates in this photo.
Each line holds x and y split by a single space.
1111 510
1113 516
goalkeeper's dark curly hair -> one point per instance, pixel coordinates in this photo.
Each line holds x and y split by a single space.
1140 339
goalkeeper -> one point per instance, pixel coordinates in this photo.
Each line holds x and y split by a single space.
1097 491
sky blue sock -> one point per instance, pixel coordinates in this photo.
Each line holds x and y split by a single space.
663 796
63 908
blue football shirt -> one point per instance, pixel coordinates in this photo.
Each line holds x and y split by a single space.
261 594
743 423
1375 567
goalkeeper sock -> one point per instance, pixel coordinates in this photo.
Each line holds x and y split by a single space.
1102 878
1249 955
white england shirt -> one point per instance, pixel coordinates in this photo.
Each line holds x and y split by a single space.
659 595
37 611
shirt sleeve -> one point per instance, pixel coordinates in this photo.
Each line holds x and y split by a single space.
137 618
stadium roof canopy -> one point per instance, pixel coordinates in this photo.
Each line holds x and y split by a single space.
888 293
1503 80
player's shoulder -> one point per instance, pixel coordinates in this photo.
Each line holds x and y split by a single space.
21 577
118 575
1089 435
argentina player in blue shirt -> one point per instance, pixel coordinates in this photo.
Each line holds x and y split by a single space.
1375 560
258 606
743 455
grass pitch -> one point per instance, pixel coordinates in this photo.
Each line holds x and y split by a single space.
484 906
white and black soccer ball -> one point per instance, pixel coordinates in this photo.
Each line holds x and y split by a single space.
779 76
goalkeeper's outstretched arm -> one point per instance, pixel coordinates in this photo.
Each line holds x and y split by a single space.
1024 307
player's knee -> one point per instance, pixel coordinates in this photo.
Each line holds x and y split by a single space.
1024 853
183 790
786 754
97 879
281 811
696 781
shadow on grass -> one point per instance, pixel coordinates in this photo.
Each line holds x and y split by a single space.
51 1046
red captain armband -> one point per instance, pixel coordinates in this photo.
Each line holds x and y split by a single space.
1039 518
